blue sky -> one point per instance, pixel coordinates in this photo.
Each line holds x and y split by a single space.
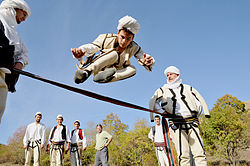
207 40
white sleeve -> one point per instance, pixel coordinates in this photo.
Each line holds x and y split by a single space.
43 135
202 102
150 135
89 49
84 140
50 135
21 54
67 135
25 138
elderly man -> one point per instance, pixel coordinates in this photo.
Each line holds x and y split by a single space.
157 136
184 104
34 140
77 145
113 63
59 135
13 53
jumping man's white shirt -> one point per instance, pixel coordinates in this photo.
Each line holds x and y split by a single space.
33 138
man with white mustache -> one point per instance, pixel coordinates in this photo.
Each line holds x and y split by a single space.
184 104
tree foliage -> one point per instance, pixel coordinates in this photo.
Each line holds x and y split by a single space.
113 125
229 100
224 133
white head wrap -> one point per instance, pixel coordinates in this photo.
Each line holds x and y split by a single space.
129 23
8 19
38 113
20 4
59 116
171 69
176 83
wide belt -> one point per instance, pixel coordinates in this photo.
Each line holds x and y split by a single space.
58 143
74 145
33 144
179 119
159 144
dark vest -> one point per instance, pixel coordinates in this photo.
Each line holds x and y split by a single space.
6 50
63 132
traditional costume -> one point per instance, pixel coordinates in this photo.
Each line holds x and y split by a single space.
109 65
78 141
184 104
12 49
156 134
34 137
57 138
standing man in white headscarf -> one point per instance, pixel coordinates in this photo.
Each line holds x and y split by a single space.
184 104
78 143
59 135
13 53
112 64
34 140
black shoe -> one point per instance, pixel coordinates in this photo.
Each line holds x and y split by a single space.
105 76
81 76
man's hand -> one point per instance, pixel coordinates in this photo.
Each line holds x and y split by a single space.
42 146
18 66
25 146
84 148
77 52
148 60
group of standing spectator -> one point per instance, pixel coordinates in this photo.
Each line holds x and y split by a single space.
35 140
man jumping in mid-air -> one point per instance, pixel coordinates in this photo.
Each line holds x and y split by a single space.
112 64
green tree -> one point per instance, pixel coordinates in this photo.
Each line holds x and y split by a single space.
224 133
229 100
15 146
113 125
88 156
134 147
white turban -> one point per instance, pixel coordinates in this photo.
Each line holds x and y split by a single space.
176 83
129 23
20 4
38 113
171 69
59 116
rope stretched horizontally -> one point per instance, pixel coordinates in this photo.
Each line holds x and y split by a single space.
85 92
